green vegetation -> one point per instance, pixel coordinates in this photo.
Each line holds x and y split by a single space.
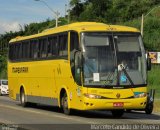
108 11
156 106
3 67
154 80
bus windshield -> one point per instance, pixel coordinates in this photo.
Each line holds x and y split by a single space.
113 59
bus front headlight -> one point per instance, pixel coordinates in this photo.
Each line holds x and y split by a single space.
92 96
140 95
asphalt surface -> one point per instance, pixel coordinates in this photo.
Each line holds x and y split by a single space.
40 117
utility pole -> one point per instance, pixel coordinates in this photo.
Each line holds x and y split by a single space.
142 19
55 13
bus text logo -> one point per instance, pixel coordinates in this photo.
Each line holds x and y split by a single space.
20 70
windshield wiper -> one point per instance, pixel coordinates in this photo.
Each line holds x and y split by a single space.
127 75
110 78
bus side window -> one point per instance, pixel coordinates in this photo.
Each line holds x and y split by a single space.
43 47
31 49
52 46
55 46
34 49
74 44
11 51
63 45
19 55
25 50
16 51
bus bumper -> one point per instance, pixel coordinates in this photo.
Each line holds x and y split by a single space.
110 104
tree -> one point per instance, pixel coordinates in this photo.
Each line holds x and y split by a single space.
74 2
77 9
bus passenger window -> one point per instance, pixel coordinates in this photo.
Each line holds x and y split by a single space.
63 45
11 48
43 48
19 55
52 46
34 49
25 50
49 51
74 44
55 46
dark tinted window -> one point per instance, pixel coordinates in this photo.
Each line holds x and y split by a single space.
52 46
25 50
34 46
19 51
74 44
11 49
15 51
63 45
43 47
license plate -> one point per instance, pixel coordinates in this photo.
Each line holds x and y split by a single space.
118 104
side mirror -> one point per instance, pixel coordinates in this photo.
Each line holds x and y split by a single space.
149 64
148 60
78 59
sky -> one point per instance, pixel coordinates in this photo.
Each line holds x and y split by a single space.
16 13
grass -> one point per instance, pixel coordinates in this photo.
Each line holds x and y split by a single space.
154 83
154 80
156 106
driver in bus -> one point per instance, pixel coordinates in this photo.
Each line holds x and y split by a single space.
123 65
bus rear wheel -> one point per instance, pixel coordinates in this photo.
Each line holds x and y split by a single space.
64 101
117 113
23 98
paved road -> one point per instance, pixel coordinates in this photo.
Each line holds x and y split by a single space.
43 117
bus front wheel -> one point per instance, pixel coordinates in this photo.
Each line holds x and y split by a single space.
23 98
149 108
117 113
64 101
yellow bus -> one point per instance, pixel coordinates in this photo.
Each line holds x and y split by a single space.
82 66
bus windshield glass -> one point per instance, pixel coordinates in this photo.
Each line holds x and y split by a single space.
113 59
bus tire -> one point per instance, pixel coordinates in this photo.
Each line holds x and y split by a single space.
117 113
23 98
149 108
64 101
0 93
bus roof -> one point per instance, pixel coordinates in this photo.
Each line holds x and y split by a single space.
79 27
